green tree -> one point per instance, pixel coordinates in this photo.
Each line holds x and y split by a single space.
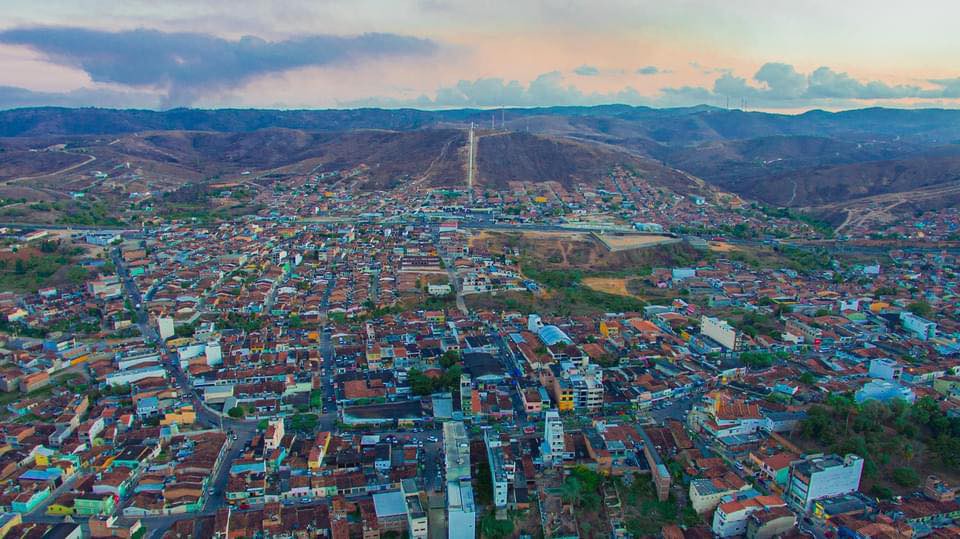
236 412
905 477
449 358
920 308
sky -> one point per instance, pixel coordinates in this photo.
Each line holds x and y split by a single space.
759 55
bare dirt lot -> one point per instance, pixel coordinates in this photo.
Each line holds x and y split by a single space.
579 250
610 285
625 242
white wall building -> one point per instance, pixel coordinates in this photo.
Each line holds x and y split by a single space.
553 437
886 369
821 477
720 331
165 327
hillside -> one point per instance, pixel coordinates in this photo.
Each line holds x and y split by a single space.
830 164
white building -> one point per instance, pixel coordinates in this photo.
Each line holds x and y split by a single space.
461 509
730 518
120 378
720 331
921 328
821 477
885 368
213 353
165 327
884 391
553 437
499 475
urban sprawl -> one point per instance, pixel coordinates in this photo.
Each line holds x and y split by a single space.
420 363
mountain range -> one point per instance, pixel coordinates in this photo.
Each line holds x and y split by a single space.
827 163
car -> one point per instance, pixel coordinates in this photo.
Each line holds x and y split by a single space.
235 437
306 500
432 438
244 506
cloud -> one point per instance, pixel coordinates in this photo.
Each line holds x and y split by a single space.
587 71
15 97
950 87
650 70
781 85
189 65
547 89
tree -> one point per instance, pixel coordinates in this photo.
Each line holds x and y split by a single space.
449 359
905 477
493 528
808 378
757 360
304 422
295 322
920 308
236 412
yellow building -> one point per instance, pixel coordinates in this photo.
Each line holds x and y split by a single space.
184 416
8 522
60 509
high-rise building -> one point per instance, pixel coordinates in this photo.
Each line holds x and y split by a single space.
553 437
820 477
498 472
466 395
721 332
461 509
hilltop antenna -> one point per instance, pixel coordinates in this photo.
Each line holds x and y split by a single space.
503 114
493 121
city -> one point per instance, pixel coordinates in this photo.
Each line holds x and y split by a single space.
440 270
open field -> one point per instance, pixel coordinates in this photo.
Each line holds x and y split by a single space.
722 247
626 242
581 251
609 285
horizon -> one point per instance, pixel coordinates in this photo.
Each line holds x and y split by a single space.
702 106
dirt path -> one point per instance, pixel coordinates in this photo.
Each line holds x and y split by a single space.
90 159
436 160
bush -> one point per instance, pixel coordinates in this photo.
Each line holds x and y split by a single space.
905 477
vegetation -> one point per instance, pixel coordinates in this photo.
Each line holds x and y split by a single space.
304 422
492 528
822 227
582 489
920 308
578 298
236 412
87 214
754 324
758 360
238 321
894 438
645 514
421 384
805 260
49 267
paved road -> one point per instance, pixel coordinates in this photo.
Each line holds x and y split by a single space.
206 416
